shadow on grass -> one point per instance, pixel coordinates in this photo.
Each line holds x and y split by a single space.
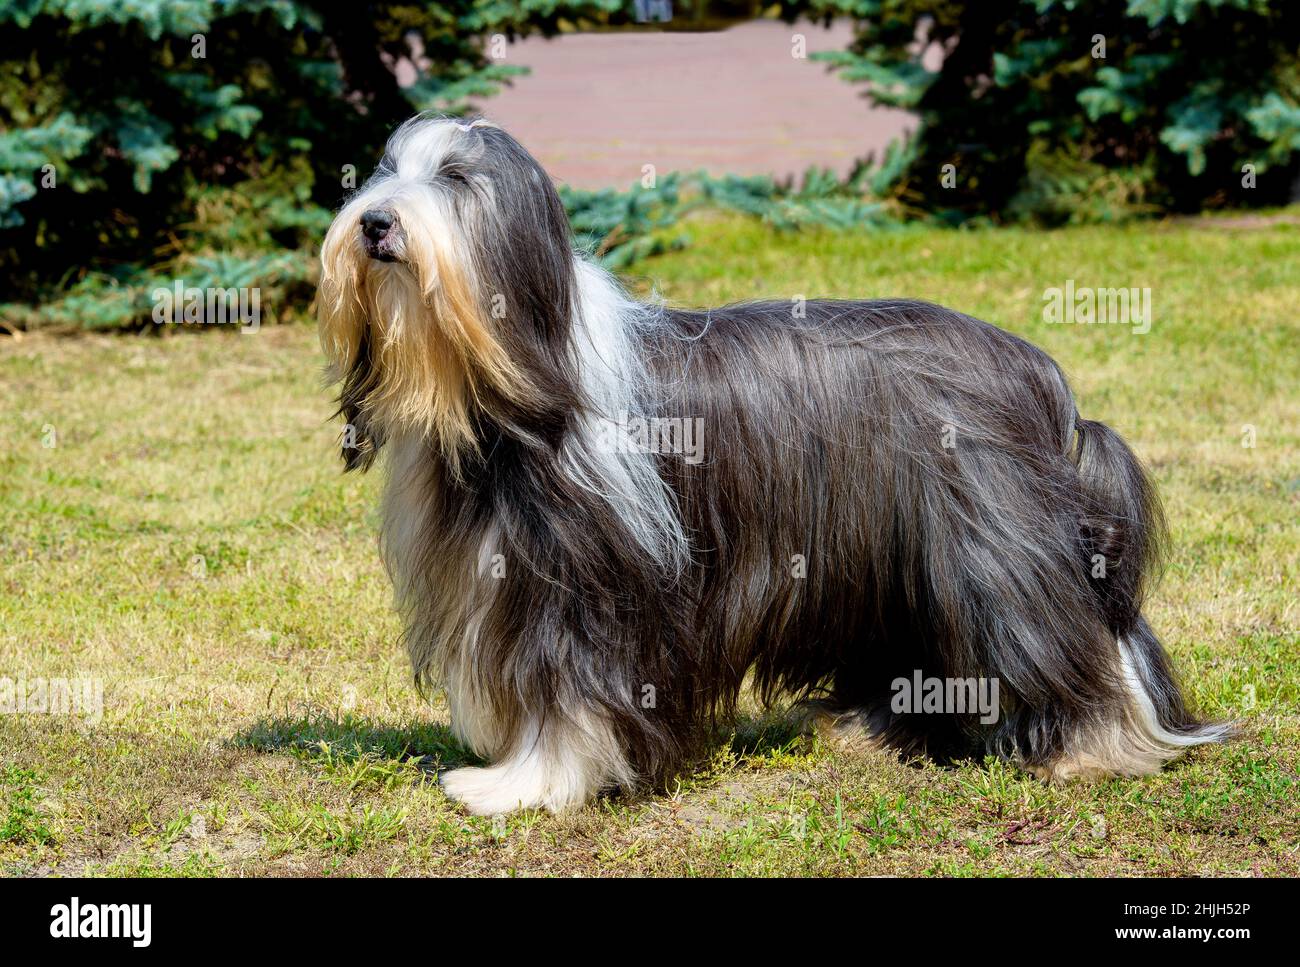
431 747
793 730
775 731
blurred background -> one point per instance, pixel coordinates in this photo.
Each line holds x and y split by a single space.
148 141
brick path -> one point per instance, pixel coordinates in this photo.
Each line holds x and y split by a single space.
599 106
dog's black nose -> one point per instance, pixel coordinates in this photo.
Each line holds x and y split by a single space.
376 223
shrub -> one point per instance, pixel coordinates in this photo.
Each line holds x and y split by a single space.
1069 110
138 140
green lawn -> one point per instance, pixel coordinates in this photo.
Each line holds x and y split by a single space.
191 543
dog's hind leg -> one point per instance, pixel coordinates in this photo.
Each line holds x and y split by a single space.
1125 715
1137 736
1122 529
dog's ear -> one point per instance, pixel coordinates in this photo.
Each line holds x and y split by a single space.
362 436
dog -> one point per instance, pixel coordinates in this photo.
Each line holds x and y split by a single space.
881 490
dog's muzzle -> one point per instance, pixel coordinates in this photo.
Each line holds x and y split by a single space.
381 235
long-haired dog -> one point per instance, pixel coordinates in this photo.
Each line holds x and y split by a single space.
883 489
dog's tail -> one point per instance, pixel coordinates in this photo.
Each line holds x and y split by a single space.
1122 525
1123 532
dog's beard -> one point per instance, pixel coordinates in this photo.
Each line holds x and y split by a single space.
435 355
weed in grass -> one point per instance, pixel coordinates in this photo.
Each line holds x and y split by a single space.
23 822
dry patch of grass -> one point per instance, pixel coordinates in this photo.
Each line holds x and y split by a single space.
189 543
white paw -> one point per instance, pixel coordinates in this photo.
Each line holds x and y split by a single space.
486 792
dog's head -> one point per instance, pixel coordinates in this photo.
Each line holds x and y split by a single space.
447 280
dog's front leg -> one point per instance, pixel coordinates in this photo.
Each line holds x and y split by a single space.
559 764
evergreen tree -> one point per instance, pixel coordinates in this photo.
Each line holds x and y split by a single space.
1083 109
139 141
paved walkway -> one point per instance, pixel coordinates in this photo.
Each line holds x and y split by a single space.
597 107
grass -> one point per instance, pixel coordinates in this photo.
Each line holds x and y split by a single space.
190 543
